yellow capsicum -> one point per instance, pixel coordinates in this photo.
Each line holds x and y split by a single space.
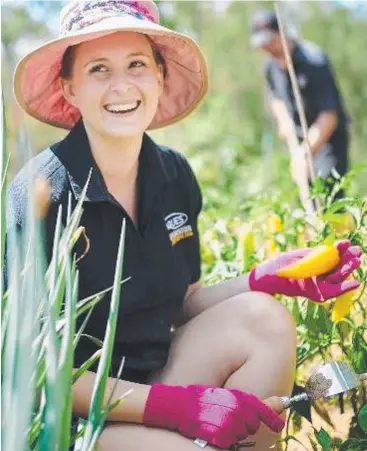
275 225
322 260
341 223
343 304
247 250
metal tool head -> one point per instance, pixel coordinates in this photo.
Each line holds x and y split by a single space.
331 379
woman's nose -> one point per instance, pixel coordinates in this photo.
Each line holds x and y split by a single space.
120 82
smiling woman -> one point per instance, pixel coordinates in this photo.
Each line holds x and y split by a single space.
113 74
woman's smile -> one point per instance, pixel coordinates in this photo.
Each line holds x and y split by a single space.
123 109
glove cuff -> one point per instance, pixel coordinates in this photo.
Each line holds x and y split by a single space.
261 285
164 406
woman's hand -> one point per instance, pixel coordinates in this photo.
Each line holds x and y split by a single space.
219 416
320 288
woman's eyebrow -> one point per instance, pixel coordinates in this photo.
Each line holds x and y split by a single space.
131 55
95 60
138 54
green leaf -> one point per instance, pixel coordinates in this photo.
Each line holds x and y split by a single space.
354 444
340 204
323 438
66 356
296 312
95 417
4 167
362 418
359 356
94 340
55 252
324 321
82 327
86 365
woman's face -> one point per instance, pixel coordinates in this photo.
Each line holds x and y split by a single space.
116 84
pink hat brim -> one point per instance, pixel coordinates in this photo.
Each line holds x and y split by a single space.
37 84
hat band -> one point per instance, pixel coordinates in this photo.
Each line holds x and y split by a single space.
83 14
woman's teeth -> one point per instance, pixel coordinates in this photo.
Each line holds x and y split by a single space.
122 108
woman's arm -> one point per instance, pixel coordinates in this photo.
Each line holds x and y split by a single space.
199 298
264 278
130 410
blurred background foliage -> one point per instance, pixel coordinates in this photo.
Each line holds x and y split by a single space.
230 140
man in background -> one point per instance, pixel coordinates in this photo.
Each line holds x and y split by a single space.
327 120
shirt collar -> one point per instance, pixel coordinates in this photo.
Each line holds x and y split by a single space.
74 152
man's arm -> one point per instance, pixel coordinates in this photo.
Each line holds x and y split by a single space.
278 110
321 130
286 129
287 132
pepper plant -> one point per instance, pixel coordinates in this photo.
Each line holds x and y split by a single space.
271 223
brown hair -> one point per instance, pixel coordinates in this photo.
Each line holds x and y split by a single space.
68 58
67 62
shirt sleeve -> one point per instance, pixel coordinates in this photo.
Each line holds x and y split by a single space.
193 245
326 91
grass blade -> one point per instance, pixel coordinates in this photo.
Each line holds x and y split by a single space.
4 165
86 365
67 358
95 417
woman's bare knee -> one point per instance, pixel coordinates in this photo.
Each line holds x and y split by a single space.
265 314
224 337
259 314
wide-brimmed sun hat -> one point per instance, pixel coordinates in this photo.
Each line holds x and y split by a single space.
37 82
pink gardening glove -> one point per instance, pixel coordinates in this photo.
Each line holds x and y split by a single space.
263 277
221 417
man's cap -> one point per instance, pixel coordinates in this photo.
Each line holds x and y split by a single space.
264 26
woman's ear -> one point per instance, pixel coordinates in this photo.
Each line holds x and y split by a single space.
68 91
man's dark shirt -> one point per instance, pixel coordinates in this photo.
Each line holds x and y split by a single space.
319 92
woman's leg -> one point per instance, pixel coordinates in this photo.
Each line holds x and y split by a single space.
246 342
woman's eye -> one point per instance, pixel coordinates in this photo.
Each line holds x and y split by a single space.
97 68
134 64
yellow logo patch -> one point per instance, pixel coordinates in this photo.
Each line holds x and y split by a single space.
181 234
178 228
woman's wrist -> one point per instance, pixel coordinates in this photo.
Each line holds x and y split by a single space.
130 410
163 406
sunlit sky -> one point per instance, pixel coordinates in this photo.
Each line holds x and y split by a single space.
53 22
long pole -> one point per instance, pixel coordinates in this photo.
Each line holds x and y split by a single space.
303 186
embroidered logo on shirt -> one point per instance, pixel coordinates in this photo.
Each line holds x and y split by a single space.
177 227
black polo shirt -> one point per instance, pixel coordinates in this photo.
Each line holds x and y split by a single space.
162 254
319 93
